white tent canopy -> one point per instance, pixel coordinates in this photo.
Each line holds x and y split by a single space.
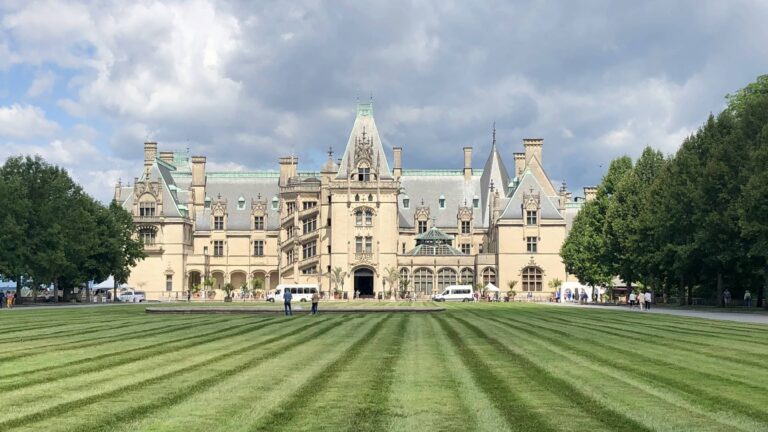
492 287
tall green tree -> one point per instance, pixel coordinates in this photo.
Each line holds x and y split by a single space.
125 249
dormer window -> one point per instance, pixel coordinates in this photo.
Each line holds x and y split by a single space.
146 209
218 222
441 202
531 217
406 203
476 202
207 202
275 203
240 203
363 174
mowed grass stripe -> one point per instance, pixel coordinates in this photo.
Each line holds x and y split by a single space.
56 409
426 390
692 414
90 328
753 348
698 345
282 415
675 326
677 354
711 402
611 418
239 400
126 357
515 411
355 397
132 334
193 383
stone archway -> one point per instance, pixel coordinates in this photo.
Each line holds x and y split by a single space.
363 278
195 278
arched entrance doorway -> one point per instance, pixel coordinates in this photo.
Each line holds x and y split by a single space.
364 281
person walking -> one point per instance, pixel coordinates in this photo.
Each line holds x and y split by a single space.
648 298
747 298
640 301
315 300
727 297
287 297
632 299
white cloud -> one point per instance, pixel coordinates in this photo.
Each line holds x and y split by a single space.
25 121
43 83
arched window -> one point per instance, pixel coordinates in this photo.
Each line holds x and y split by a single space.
489 276
368 217
445 277
404 273
532 279
467 276
359 217
422 281
148 235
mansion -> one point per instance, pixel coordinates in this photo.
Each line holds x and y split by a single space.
358 214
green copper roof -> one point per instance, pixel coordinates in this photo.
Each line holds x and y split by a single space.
434 235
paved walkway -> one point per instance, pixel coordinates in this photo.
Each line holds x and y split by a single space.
719 316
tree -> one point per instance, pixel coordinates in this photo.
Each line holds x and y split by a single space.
228 288
511 285
14 225
257 285
392 276
338 276
584 248
126 250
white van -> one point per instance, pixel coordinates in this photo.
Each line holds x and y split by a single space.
300 293
455 293
131 296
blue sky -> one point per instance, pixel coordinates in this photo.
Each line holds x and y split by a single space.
84 83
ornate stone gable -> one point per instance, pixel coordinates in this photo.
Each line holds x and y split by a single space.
258 206
531 200
422 212
364 149
219 207
147 186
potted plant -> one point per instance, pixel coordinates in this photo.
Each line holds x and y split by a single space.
392 276
195 290
244 290
257 285
404 282
228 288
511 293
338 276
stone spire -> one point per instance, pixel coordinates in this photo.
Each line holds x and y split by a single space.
364 147
494 172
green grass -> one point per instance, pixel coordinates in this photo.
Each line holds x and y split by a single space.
488 367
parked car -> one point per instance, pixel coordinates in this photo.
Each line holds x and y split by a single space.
455 293
132 296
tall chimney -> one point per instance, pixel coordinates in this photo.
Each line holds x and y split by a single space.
533 148
519 164
590 193
198 179
118 191
167 157
288 165
397 171
467 163
150 153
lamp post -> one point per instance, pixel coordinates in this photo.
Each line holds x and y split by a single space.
206 265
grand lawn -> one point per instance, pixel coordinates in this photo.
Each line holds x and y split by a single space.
486 367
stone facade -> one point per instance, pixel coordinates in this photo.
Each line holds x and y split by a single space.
432 227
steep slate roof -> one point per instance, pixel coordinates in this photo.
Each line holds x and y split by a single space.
430 186
162 171
364 123
231 188
514 206
494 170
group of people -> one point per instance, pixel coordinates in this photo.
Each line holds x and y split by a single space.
640 300
288 297
727 298
7 299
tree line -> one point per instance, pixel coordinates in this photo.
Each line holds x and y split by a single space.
52 232
689 225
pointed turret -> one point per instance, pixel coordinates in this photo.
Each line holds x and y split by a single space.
494 171
364 150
